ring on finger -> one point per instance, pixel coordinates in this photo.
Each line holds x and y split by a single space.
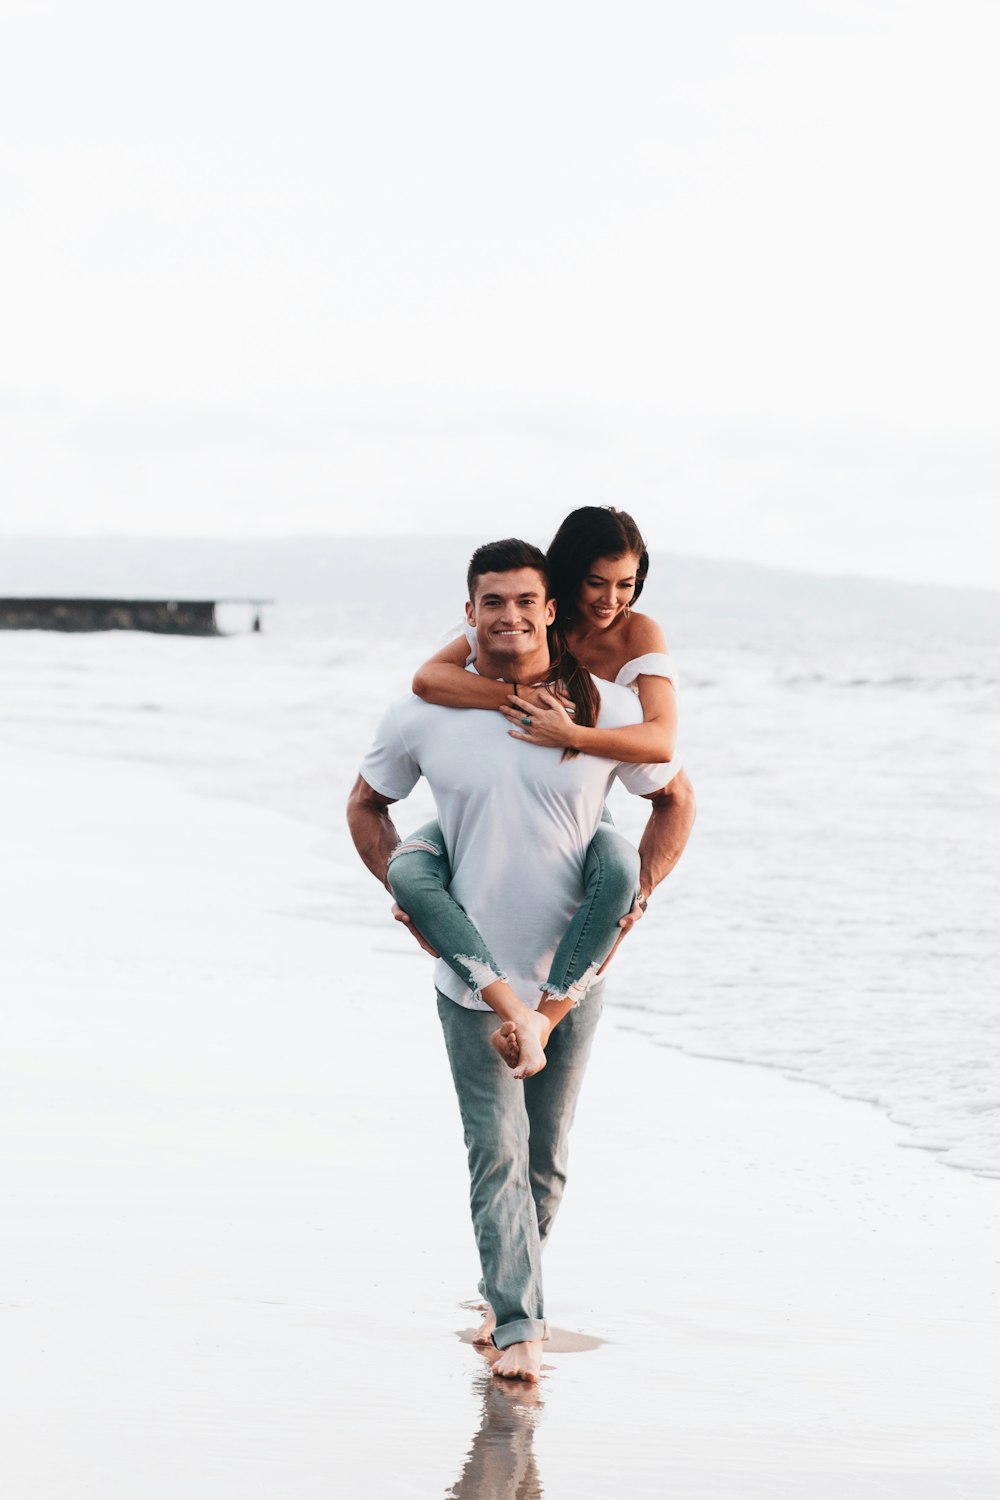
526 720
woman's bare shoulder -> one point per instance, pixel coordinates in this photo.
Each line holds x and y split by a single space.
642 636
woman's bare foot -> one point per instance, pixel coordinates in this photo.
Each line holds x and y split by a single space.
505 1041
529 1028
532 1034
521 1044
484 1333
520 1362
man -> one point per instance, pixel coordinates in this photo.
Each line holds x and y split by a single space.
516 821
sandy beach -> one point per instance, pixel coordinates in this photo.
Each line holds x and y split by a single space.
236 1242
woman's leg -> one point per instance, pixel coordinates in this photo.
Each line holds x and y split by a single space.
611 882
419 876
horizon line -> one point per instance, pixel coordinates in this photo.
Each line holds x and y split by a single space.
752 565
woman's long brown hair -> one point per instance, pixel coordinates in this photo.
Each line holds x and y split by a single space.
577 681
590 531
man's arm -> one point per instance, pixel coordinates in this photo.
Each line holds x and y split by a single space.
372 829
666 833
375 837
663 840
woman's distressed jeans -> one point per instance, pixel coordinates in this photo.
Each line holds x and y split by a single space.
419 875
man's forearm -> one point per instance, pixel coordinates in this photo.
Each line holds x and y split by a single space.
372 829
666 833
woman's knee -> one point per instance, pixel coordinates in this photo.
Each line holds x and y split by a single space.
614 862
416 865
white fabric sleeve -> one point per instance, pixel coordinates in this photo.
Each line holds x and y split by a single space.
641 780
470 636
653 664
390 767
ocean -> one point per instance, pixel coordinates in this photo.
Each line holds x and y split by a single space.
834 916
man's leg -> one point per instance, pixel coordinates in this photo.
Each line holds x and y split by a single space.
492 1103
550 1098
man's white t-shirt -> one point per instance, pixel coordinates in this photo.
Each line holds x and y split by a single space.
516 818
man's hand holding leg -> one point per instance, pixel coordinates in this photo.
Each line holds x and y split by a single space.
401 916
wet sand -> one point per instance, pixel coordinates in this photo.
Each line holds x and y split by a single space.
237 1245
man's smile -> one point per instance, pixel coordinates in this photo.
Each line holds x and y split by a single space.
511 614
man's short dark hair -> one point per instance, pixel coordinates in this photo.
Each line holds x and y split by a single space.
506 557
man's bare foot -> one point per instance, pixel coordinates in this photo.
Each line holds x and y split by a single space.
520 1362
484 1333
506 1043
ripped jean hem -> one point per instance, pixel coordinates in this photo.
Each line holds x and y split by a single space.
420 884
480 974
574 992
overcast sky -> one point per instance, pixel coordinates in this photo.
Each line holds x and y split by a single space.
450 267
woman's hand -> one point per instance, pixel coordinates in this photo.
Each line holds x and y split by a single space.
539 717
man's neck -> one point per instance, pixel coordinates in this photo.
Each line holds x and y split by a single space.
536 668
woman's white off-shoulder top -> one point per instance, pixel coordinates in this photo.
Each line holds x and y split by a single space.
653 664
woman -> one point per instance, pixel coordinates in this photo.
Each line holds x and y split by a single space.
598 564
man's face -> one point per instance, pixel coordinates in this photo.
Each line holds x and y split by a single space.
510 614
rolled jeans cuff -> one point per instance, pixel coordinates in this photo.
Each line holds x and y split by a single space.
520 1332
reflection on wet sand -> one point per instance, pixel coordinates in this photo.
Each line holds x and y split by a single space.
501 1462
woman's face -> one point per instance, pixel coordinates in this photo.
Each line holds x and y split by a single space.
607 587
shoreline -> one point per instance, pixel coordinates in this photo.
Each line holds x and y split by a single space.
903 1130
239 1236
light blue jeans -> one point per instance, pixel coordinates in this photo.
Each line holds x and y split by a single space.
517 1138
419 875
